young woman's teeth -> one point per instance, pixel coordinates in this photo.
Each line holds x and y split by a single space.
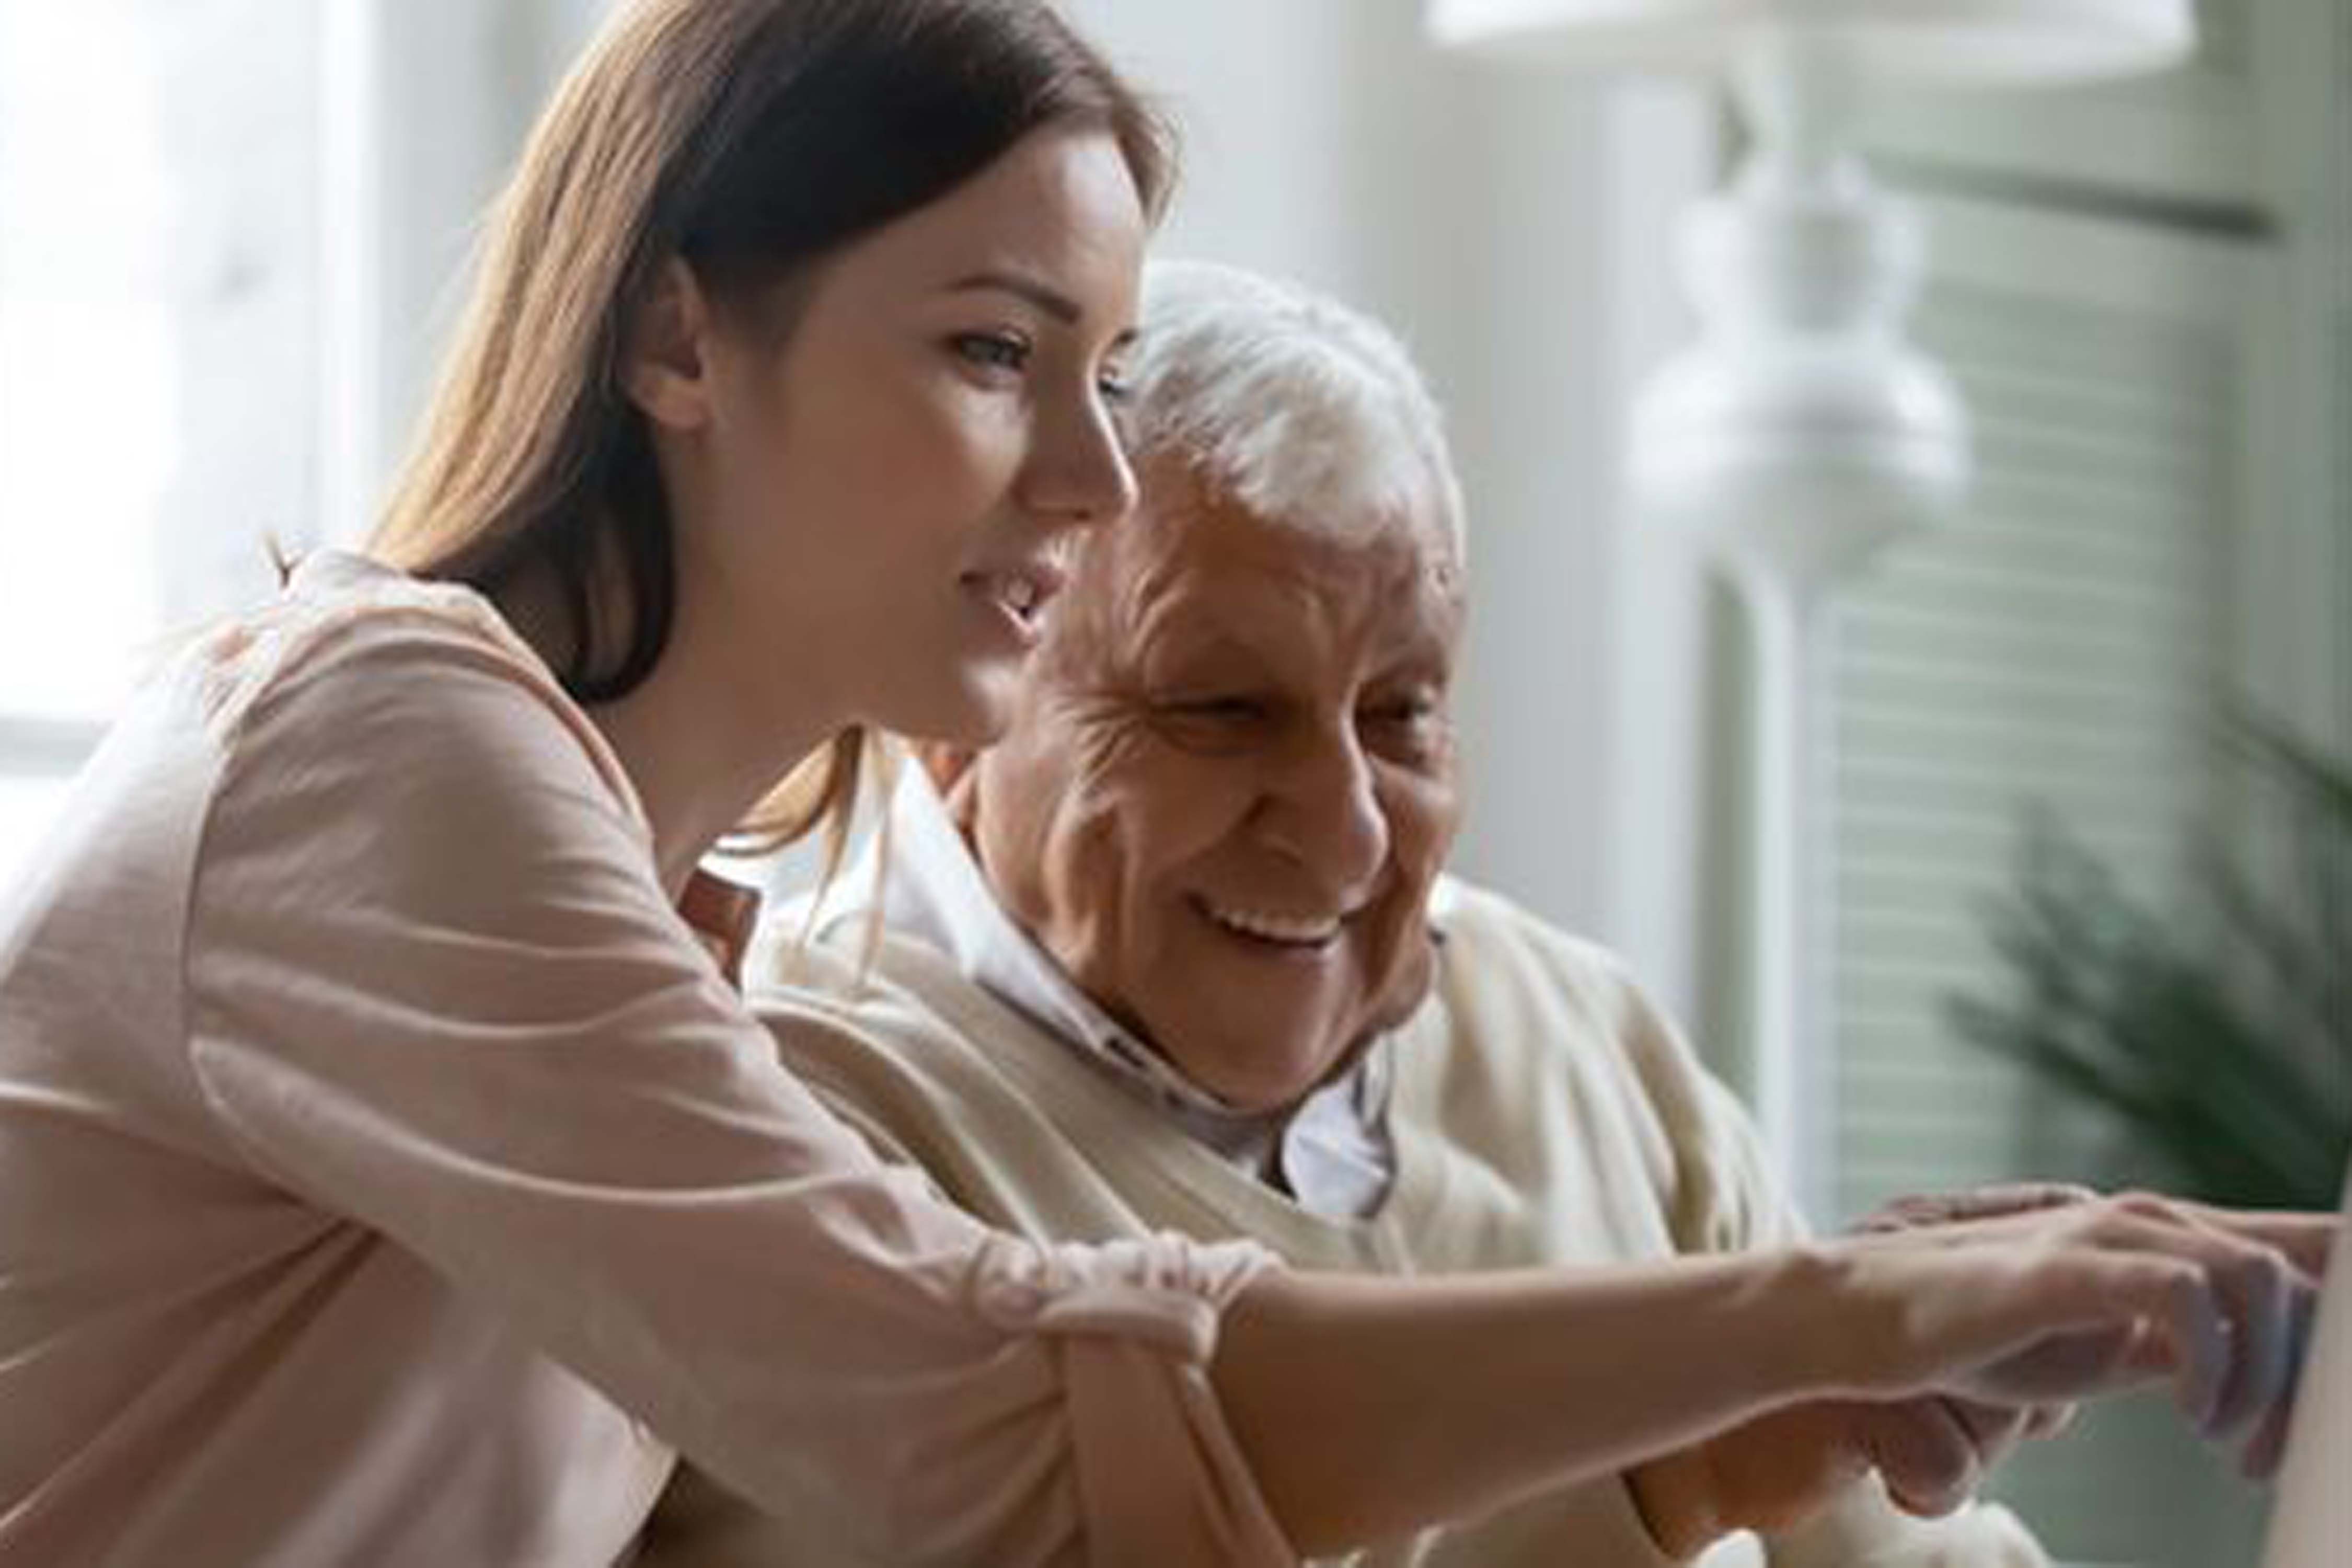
1295 929
1018 592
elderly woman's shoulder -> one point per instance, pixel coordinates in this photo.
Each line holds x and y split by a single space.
843 998
1504 967
1484 927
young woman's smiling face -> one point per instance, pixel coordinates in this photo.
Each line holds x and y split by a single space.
895 479
1230 783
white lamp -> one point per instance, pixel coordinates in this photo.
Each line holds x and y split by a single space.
1803 433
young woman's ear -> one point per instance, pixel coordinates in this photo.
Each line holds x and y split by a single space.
666 362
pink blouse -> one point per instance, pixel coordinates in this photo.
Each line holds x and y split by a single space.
388 1175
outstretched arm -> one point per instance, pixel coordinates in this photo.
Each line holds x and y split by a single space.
1367 1409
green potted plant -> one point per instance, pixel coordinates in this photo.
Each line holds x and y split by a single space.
2220 1034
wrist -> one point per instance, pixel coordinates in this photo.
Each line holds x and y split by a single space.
1821 1345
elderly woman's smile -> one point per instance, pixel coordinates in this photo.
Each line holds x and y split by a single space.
1298 935
1230 784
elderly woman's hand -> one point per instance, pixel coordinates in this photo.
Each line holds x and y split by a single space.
1777 1471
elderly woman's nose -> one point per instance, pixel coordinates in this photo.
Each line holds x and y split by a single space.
1328 811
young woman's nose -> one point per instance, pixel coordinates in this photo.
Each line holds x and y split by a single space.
1078 470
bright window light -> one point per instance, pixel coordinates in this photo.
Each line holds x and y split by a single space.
159 318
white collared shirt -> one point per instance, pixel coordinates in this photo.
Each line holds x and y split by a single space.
1331 1153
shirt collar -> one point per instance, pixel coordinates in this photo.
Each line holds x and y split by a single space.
1331 1152
934 891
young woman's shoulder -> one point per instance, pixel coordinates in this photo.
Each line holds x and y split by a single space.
366 657
394 770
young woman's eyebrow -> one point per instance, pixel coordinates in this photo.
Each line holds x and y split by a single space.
1021 285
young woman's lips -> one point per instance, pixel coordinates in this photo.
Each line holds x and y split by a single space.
1018 593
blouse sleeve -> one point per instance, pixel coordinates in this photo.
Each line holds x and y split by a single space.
434 986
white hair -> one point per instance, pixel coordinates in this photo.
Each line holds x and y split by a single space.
1304 411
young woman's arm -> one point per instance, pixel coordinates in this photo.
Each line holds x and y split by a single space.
1366 1409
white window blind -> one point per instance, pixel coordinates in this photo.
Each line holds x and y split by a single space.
2065 647
2145 291
2060 648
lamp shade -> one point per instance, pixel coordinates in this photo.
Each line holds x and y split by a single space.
1990 41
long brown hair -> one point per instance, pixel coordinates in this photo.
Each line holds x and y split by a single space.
751 138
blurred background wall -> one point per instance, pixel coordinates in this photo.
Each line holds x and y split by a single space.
233 233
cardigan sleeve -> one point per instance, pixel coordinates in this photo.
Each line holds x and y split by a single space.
434 989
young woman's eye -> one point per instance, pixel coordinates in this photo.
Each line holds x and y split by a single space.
1112 386
1004 351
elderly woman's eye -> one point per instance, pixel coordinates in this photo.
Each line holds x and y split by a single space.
1410 725
1233 709
1212 725
1406 711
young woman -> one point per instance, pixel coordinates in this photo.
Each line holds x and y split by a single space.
388 1173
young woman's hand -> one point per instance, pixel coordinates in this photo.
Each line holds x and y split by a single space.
1929 1452
2096 1359
2218 1300
1991 1430
2074 1300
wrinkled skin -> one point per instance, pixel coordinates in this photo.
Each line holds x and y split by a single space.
1236 722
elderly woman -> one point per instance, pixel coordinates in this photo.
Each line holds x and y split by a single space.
1177 954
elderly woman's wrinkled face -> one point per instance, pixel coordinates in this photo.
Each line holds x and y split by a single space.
1230 782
